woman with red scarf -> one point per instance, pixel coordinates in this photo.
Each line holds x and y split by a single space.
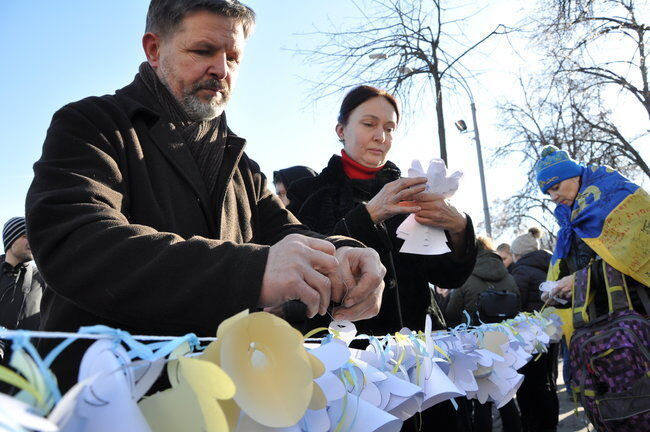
362 195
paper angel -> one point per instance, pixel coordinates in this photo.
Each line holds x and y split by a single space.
420 239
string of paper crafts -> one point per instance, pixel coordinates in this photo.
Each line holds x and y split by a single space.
260 374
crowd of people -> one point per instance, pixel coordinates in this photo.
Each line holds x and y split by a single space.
146 214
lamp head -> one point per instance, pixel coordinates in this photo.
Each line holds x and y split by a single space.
461 126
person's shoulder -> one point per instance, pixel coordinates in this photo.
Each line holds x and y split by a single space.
124 103
306 184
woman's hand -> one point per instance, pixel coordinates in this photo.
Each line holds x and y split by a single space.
387 202
562 290
436 212
564 287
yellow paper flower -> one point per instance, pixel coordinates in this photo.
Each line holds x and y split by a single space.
273 372
200 389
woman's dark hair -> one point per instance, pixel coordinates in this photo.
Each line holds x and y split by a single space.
359 95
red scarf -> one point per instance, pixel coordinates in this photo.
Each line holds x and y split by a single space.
355 170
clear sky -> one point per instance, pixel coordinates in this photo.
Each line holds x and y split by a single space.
55 52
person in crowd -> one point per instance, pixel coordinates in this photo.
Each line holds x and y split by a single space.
145 214
529 268
503 250
21 285
362 195
583 215
603 219
284 178
489 273
537 396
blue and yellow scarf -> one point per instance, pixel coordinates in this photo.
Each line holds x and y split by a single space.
612 215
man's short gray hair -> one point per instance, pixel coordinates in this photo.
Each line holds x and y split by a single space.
164 16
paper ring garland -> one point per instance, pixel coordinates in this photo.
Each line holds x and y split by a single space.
267 360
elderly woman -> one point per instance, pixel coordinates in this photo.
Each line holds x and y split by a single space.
603 236
362 195
602 215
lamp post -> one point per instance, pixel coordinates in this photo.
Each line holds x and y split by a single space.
462 127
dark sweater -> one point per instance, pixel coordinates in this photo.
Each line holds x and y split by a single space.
333 204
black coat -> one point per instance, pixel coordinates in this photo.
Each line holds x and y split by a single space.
333 204
529 272
488 273
121 228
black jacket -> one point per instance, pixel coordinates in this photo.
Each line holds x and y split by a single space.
488 273
120 224
31 284
333 204
529 272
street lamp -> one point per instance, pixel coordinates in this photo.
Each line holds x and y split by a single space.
462 128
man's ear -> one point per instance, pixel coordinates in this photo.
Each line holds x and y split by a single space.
339 131
151 44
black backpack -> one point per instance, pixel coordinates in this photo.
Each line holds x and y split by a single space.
494 306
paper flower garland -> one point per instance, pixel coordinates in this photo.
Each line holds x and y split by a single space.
260 375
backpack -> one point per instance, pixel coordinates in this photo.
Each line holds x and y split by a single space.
494 306
609 356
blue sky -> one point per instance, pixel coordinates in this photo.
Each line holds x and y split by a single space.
56 52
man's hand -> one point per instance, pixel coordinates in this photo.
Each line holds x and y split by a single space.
358 284
387 202
295 270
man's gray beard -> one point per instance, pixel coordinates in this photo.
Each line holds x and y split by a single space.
197 110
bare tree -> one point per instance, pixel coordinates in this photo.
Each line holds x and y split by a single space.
399 45
602 41
570 116
593 49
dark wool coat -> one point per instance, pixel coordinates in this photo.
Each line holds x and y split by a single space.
328 205
529 272
120 224
489 273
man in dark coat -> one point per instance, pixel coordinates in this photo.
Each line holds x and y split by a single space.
145 213
21 285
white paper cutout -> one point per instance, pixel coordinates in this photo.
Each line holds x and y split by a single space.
107 403
18 415
360 416
548 286
420 239
344 330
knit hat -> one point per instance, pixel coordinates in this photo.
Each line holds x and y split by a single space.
526 243
13 229
554 166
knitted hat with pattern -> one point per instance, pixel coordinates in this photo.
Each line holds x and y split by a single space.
13 229
554 166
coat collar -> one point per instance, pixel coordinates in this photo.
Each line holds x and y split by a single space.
334 170
137 101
